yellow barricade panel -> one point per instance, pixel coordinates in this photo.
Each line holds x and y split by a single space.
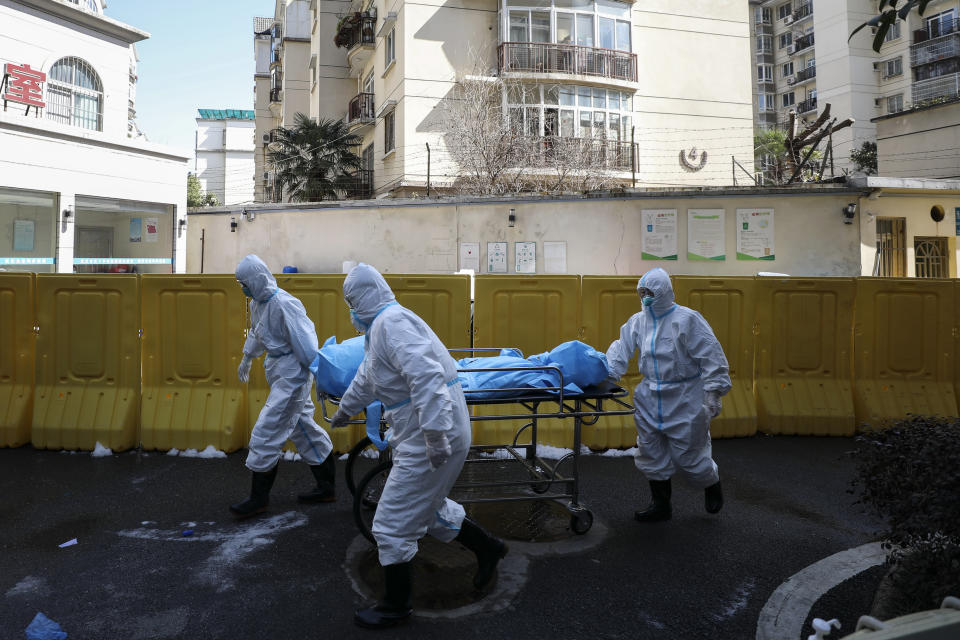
88 362
804 357
17 344
193 332
533 314
904 346
606 303
728 304
443 301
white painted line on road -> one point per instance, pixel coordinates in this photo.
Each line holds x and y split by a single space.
787 608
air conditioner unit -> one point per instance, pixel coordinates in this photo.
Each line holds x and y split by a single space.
791 80
791 49
266 138
876 102
876 66
788 19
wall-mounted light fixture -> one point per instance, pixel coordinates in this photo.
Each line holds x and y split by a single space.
180 225
849 212
233 225
67 212
512 218
251 215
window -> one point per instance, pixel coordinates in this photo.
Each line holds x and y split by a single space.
389 54
895 103
784 10
389 139
762 15
765 72
89 5
602 113
75 94
893 67
786 39
891 261
787 99
932 260
765 43
942 23
765 102
368 83
590 24
786 70
893 33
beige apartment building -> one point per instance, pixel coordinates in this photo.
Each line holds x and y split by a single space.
803 60
665 89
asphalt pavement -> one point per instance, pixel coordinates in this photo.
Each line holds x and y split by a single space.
158 554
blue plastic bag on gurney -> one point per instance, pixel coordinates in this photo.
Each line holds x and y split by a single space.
521 379
337 364
580 363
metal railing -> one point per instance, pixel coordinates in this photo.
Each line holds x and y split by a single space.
361 109
358 186
356 32
805 74
807 105
935 30
802 43
545 57
942 48
276 95
803 11
589 153
945 87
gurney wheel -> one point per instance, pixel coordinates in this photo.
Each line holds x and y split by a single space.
367 497
581 520
353 471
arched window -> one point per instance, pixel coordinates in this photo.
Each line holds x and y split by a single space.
89 5
75 94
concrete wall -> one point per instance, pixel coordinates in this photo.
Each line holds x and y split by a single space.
920 144
602 236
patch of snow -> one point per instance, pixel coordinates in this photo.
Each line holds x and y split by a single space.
173 452
291 456
28 586
620 453
101 451
738 601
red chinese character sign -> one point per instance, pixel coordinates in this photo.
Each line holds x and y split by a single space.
23 85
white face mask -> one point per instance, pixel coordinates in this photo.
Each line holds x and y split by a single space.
357 322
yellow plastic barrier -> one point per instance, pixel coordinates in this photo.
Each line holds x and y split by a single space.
606 302
805 356
193 329
17 344
904 349
534 314
728 304
88 362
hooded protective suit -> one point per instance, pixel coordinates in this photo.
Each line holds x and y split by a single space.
680 360
409 370
280 327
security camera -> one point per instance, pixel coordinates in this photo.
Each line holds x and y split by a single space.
849 212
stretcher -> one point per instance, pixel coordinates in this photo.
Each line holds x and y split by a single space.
530 476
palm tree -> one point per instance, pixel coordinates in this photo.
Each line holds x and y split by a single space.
314 160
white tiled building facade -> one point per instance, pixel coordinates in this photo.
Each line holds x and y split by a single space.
80 189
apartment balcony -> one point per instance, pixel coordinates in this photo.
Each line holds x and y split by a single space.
358 186
810 104
541 58
361 110
801 44
936 30
587 153
802 76
763 28
943 87
803 12
357 34
276 57
276 95
943 47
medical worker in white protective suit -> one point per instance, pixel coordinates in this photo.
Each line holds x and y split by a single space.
684 375
280 327
408 369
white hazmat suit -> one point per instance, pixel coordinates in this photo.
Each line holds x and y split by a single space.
684 375
279 326
409 370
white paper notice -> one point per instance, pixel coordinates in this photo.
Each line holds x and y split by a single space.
496 257
554 257
706 239
755 234
526 257
23 235
470 255
659 234
151 229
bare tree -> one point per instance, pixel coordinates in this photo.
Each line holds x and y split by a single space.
493 154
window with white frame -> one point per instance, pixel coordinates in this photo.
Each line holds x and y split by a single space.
786 70
600 23
764 43
784 10
389 51
893 67
389 133
787 99
942 23
762 15
368 83
786 39
765 72
893 33
89 5
571 111
765 102
895 103
75 94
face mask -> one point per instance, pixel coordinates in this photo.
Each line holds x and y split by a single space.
647 301
246 291
357 323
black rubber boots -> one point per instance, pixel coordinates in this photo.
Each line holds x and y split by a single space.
395 606
259 494
659 508
488 549
713 498
326 476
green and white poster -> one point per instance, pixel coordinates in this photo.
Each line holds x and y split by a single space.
659 234
705 234
755 234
